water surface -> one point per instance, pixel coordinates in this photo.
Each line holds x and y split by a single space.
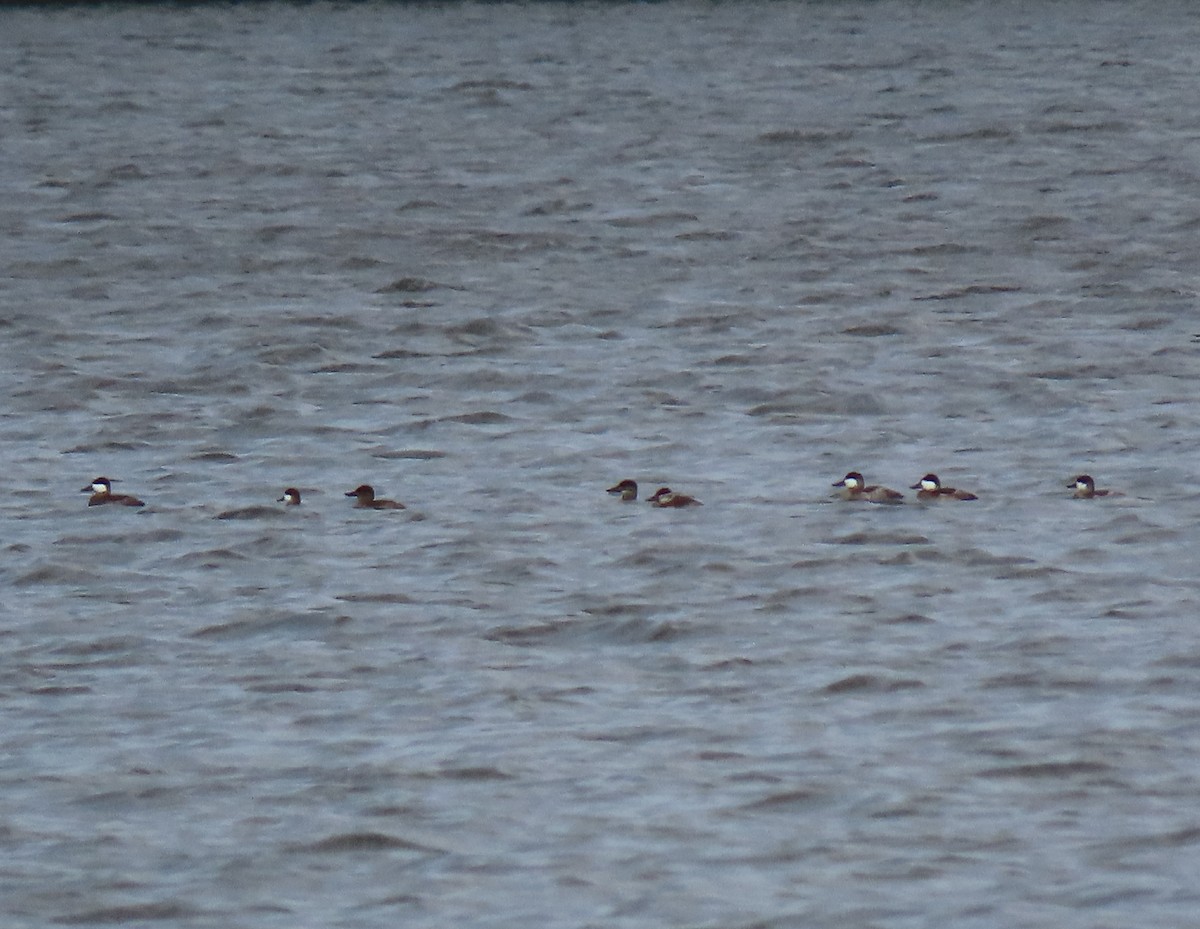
492 259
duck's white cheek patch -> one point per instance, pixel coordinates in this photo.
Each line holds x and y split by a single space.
99 488
928 485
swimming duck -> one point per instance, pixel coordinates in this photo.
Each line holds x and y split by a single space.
665 496
930 488
101 493
853 487
291 497
626 489
1085 487
366 499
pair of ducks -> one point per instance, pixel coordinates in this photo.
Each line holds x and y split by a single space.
364 494
853 487
665 497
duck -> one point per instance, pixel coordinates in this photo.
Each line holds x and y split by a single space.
291 497
627 490
101 493
853 487
1085 487
665 497
930 488
367 500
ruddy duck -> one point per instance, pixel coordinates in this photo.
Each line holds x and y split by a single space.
664 496
930 488
627 490
366 499
291 497
1085 487
101 493
855 488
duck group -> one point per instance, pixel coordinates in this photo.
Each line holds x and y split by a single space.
364 497
852 487
930 488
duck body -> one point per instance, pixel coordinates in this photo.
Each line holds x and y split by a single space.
930 488
853 487
666 497
366 499
627 490
101 494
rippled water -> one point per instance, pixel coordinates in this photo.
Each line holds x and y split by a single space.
494 258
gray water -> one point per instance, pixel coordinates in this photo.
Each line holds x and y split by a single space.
492 259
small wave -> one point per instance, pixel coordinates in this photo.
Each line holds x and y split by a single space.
972 290
470 773
60 690
880 538
1048 769
653 220
416 454
785 799
375 598
804 136
870 683
410 285
54 574
252 512
96 216
363 842
210 558
634 631
312 621
133 913
872 330
481 418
